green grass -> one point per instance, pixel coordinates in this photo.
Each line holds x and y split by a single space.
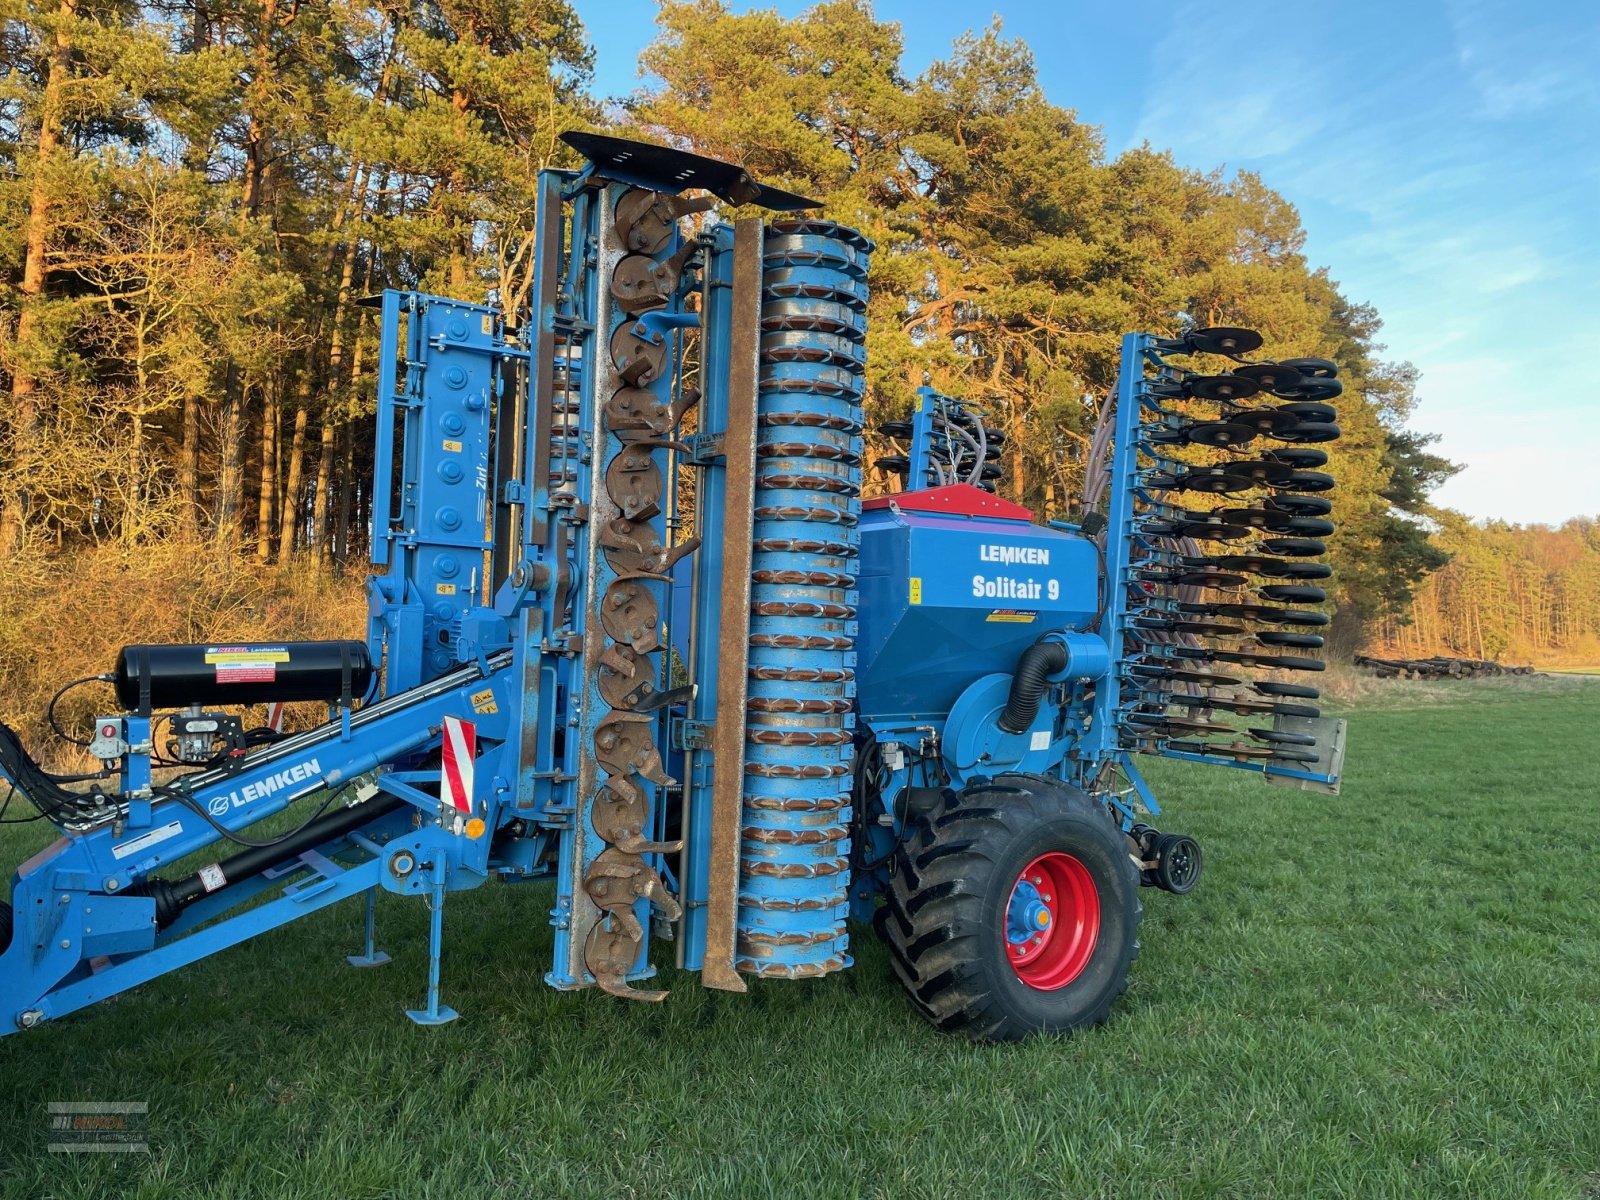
1393 992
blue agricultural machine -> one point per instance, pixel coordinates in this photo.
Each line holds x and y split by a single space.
633 630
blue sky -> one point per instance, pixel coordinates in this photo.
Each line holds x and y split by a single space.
1444 156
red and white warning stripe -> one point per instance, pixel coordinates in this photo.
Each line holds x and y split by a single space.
460 748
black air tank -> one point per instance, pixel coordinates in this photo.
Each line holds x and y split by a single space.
241 673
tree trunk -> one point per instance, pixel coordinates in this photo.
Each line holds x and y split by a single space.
25 426
133 518
269 440
297 456
330 404
189 466
230 489
347 488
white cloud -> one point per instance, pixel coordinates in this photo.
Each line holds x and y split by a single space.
1522 483
1514 64
1231 86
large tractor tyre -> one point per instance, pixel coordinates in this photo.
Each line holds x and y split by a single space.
1013 908
5 926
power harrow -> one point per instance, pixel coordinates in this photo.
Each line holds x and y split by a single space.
634 632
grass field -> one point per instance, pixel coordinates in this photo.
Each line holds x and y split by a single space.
1393 992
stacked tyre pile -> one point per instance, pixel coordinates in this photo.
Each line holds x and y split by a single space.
1236 519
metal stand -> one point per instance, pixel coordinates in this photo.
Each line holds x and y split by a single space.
435 1013
370 955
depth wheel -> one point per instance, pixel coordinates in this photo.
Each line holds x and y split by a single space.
1013 909
1178 863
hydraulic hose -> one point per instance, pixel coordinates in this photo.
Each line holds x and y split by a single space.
1034 668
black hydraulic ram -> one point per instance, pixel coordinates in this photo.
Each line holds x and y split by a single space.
243 673
172 896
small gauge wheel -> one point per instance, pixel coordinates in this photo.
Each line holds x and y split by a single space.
1178 863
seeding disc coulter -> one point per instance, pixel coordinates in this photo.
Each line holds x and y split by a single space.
632 630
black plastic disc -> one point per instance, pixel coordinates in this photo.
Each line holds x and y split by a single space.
1288 640
1191 578
1215 531
1208 628
1224 339
1296 710
1306 481
1310 431
1271 662
1312 389
1210 579
1270 377
1300 506
1258 518
1161 723
1164 435
1294 547
1301 571
1293 593
1311 527
1278 737
1185 675
1313 368
1261 612
1253 563
1269 421
1296 691
1238 704
1300 460
1213 480
1219 433
1305 618
1306 410
1222 387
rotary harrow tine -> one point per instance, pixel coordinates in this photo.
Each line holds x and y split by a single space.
642 421
610 952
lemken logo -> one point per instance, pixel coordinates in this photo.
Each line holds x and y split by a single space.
1014 554
262 788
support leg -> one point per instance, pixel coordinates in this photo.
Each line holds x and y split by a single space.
435 1013
370 956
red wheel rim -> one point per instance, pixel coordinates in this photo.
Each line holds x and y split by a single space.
1052 921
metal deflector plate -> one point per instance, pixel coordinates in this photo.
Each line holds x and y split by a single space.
1329 732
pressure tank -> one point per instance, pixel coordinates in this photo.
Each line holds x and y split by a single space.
241 673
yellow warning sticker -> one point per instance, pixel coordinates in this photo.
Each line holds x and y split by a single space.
246 664
1013 616
916 589
483 702
453 447
486 325
246 654
445 589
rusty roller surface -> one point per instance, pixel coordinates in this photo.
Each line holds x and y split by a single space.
795 843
